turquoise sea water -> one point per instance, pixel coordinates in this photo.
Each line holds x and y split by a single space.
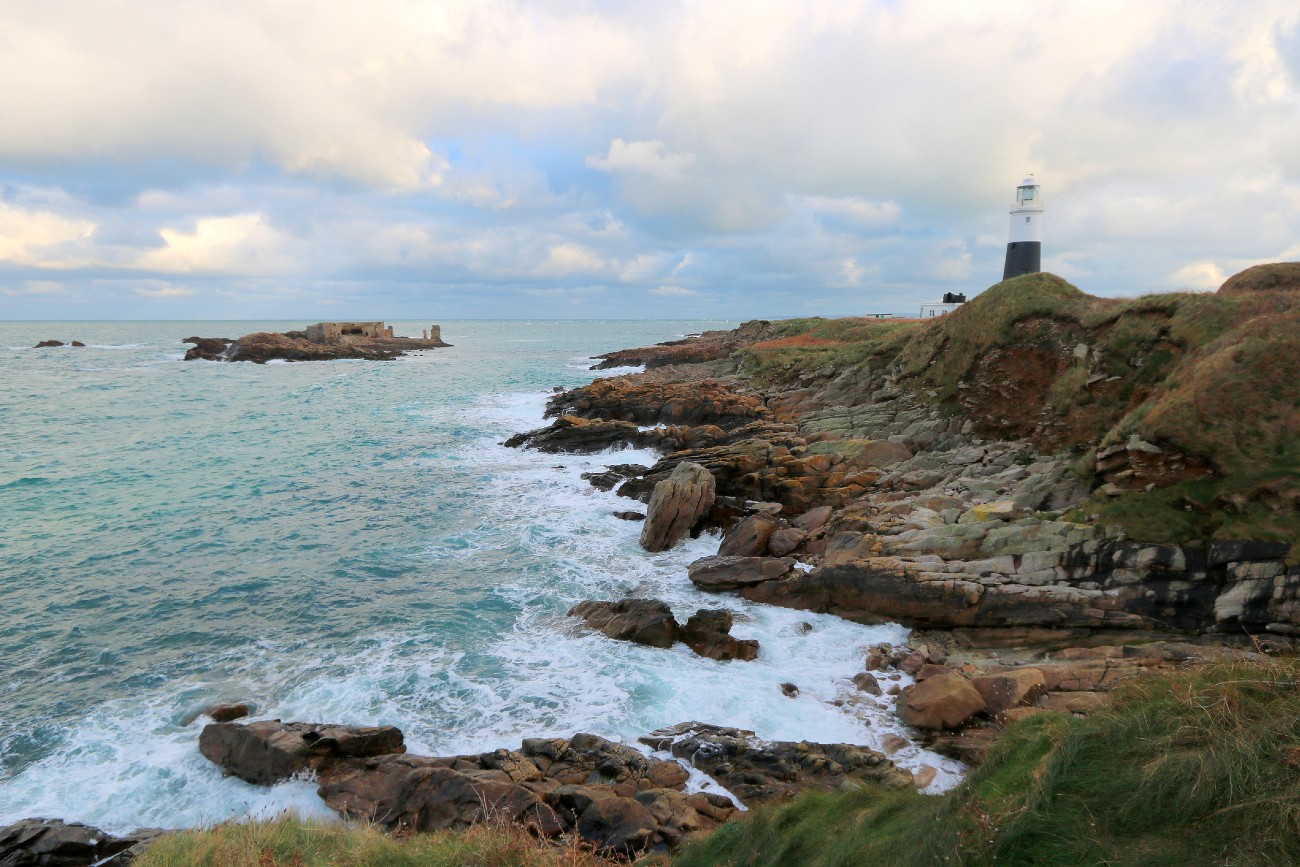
343 542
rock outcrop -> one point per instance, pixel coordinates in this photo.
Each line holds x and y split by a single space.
55 843
759 771
678 503
642 621
268 751
611 795
651 622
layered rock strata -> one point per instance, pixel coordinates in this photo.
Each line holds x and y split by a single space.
898 510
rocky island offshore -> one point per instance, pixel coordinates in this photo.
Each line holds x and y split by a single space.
324 341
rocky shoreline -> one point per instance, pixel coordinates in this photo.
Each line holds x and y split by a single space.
844 488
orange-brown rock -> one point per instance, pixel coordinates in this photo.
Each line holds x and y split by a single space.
943 702
1012 688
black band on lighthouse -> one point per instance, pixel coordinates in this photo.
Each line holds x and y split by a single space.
1023 257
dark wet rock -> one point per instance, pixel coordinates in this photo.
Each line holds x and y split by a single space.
48 344
759 771
643 621
77 343
612 475
227 712
55 843
707 632
789 690
729 573
207 348
270 751
629 515
621 825
677 505
571 434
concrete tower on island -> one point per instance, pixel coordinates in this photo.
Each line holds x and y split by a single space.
1025 246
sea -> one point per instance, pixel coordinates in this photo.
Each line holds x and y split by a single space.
343 542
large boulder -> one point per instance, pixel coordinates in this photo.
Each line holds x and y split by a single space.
621 825
1011 688
677 504
642 621
269 751
942 702
728 573
570 434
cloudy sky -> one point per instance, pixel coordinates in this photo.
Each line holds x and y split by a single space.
441 159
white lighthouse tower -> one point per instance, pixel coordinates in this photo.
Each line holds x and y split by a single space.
1025 246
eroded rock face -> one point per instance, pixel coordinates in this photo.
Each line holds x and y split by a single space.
759 771
677 504
269 751
55 843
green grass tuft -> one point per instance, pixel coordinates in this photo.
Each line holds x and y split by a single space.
1198 768
290 841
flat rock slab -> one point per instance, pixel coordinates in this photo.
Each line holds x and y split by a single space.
269 751
643 621
719 573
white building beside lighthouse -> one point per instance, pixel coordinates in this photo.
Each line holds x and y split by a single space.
1025 245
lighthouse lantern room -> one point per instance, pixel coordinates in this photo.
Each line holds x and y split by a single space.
1024 247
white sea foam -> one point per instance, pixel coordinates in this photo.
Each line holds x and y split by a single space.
549 540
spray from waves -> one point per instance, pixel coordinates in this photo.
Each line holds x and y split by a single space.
533 539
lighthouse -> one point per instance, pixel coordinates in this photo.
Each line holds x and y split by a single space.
1024 247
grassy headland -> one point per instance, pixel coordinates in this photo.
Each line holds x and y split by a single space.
1212 377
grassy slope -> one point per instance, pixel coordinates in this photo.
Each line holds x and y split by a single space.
1215 376
1203 768
292 842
